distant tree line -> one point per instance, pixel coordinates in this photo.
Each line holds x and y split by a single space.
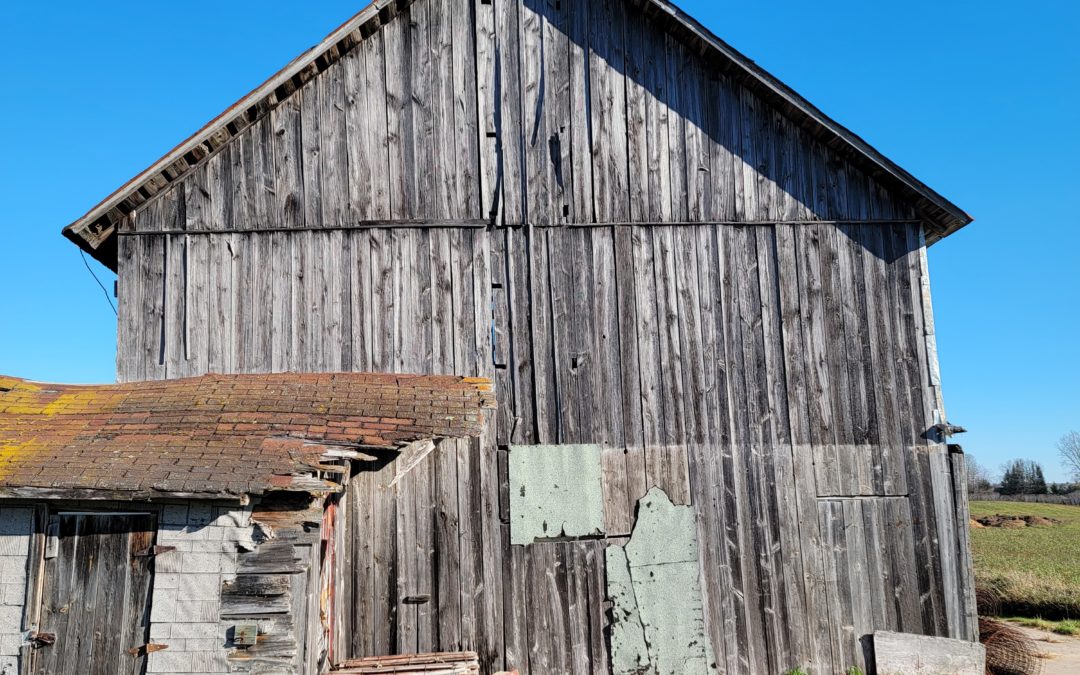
1022 476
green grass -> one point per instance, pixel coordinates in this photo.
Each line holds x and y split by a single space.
1034 570
1068 627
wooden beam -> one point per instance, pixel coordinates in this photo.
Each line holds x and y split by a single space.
361 225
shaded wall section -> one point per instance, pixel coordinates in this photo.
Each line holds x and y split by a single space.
511 113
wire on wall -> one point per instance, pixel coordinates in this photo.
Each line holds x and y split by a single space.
93 274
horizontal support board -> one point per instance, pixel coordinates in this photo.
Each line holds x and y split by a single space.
480 224
366 225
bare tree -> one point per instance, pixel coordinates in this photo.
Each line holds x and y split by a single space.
1069 447
979 479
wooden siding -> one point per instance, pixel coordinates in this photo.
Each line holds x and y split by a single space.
517 112
643 255
776 377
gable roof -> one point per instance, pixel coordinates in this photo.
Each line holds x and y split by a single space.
94 232
220 436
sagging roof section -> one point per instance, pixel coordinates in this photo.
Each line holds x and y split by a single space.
95 231
220 436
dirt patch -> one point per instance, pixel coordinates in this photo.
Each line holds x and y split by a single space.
1014 522
1060 654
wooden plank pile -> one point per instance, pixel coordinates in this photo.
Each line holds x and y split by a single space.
457 663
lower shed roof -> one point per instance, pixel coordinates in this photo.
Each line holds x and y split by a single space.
219 436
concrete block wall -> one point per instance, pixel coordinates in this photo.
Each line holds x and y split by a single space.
186 598
16 525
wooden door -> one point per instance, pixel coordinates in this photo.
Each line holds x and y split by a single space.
95 594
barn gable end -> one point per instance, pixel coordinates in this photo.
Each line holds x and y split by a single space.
669 264
526 112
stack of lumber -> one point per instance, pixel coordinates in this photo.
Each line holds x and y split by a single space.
460 663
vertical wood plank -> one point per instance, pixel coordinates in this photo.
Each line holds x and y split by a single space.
607 91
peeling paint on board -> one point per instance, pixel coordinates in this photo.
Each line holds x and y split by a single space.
555 491
629 652
654 583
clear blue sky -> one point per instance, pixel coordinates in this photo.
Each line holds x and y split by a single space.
978 98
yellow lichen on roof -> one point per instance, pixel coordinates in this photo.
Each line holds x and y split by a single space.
13 384
205 435
11 455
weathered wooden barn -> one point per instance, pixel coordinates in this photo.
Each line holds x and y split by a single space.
198 525
704 303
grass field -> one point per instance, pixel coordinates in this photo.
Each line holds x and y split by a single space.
1034 570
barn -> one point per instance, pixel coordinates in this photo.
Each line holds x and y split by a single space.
199 525
720 443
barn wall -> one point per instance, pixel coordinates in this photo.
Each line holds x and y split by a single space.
776 374
777 378
518 112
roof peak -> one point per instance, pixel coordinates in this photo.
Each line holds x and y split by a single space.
95 231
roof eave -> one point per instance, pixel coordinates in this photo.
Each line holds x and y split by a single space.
113 494
102 247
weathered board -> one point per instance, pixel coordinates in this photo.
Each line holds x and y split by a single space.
95 594
643 255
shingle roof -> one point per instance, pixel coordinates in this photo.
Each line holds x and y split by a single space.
219 436
95 231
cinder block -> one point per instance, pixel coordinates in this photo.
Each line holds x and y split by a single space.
9 665
228 517
206 644
168 563
199 631
241 536
16 521
169 661
222 547
10 620
160 632
201 563
13 594
13 569
199 587
200 514
229 563
196 533
210 662
174 514
17 545
195 611
171 532
163 606
10 644
166 580
177 645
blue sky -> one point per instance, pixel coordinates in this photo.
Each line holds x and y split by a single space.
978 98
